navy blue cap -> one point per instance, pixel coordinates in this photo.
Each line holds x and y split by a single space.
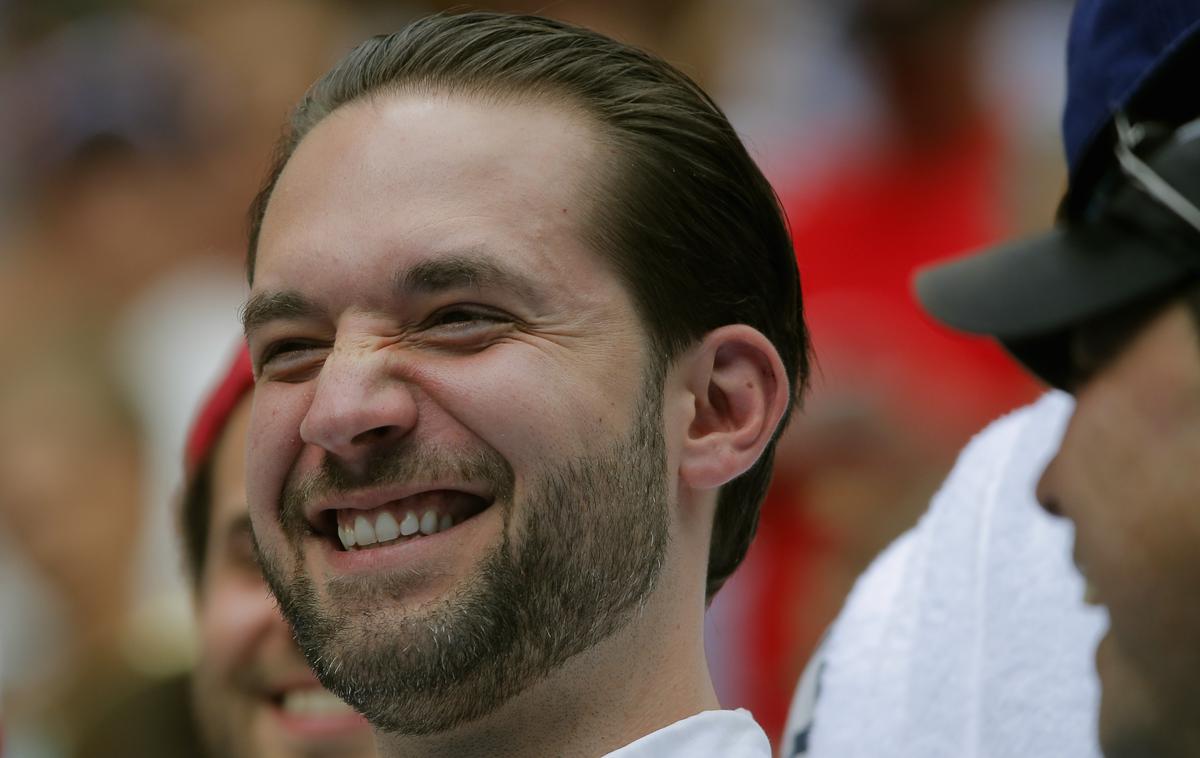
1113 48
1115 244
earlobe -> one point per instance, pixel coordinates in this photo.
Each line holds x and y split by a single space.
741 393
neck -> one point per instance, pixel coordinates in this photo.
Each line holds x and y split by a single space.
645 677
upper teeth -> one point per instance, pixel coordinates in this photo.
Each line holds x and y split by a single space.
313 703
1091 596
368 528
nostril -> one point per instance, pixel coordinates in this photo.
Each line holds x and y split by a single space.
378 434
1050 505
1045 490
1046 496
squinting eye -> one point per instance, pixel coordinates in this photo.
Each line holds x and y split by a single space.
461 327
459 316
291 360
283 347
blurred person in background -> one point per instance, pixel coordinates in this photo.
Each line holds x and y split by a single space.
920 183
253 693
939 171
70 518
970 635
103 119
921 175
97 127
1107 307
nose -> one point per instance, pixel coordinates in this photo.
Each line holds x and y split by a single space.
360 403
1046 489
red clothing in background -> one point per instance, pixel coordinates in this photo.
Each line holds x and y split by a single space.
860 230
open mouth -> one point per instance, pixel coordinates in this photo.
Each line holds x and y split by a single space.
313 716
1091 595
310 703
421 515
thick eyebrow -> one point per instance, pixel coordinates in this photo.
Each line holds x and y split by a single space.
463 271
426 277
267 306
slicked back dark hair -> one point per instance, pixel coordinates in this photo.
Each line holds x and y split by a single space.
682 213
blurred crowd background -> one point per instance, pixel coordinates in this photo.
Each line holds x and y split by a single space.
134 134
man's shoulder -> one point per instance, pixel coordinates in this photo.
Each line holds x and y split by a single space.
939 631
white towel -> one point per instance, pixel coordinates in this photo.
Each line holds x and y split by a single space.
967 637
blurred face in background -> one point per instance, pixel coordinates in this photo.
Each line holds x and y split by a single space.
254 694
69 490
1128 475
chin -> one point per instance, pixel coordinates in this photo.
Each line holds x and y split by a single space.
1132 725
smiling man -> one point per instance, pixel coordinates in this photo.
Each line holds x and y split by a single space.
1107 306
525 323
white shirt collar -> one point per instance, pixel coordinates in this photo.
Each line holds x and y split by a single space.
720 734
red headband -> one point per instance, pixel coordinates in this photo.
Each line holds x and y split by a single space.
214 413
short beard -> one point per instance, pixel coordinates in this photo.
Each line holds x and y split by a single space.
590 546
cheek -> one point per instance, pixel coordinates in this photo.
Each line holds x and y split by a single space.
1134 458
527 407
1106 456
273 441
1132 489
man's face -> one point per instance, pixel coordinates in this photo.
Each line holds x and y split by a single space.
254 693
1128 475
457 471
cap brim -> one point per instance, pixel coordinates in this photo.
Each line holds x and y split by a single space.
1045 284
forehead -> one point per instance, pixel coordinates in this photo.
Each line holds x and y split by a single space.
417 172
1154 370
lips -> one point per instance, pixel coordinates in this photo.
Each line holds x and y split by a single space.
312 703
299 696
313 713
1091 594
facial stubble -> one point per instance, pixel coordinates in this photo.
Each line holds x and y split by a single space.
579 557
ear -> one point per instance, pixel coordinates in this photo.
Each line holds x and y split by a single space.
741 393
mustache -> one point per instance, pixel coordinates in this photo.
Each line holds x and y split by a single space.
398 464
